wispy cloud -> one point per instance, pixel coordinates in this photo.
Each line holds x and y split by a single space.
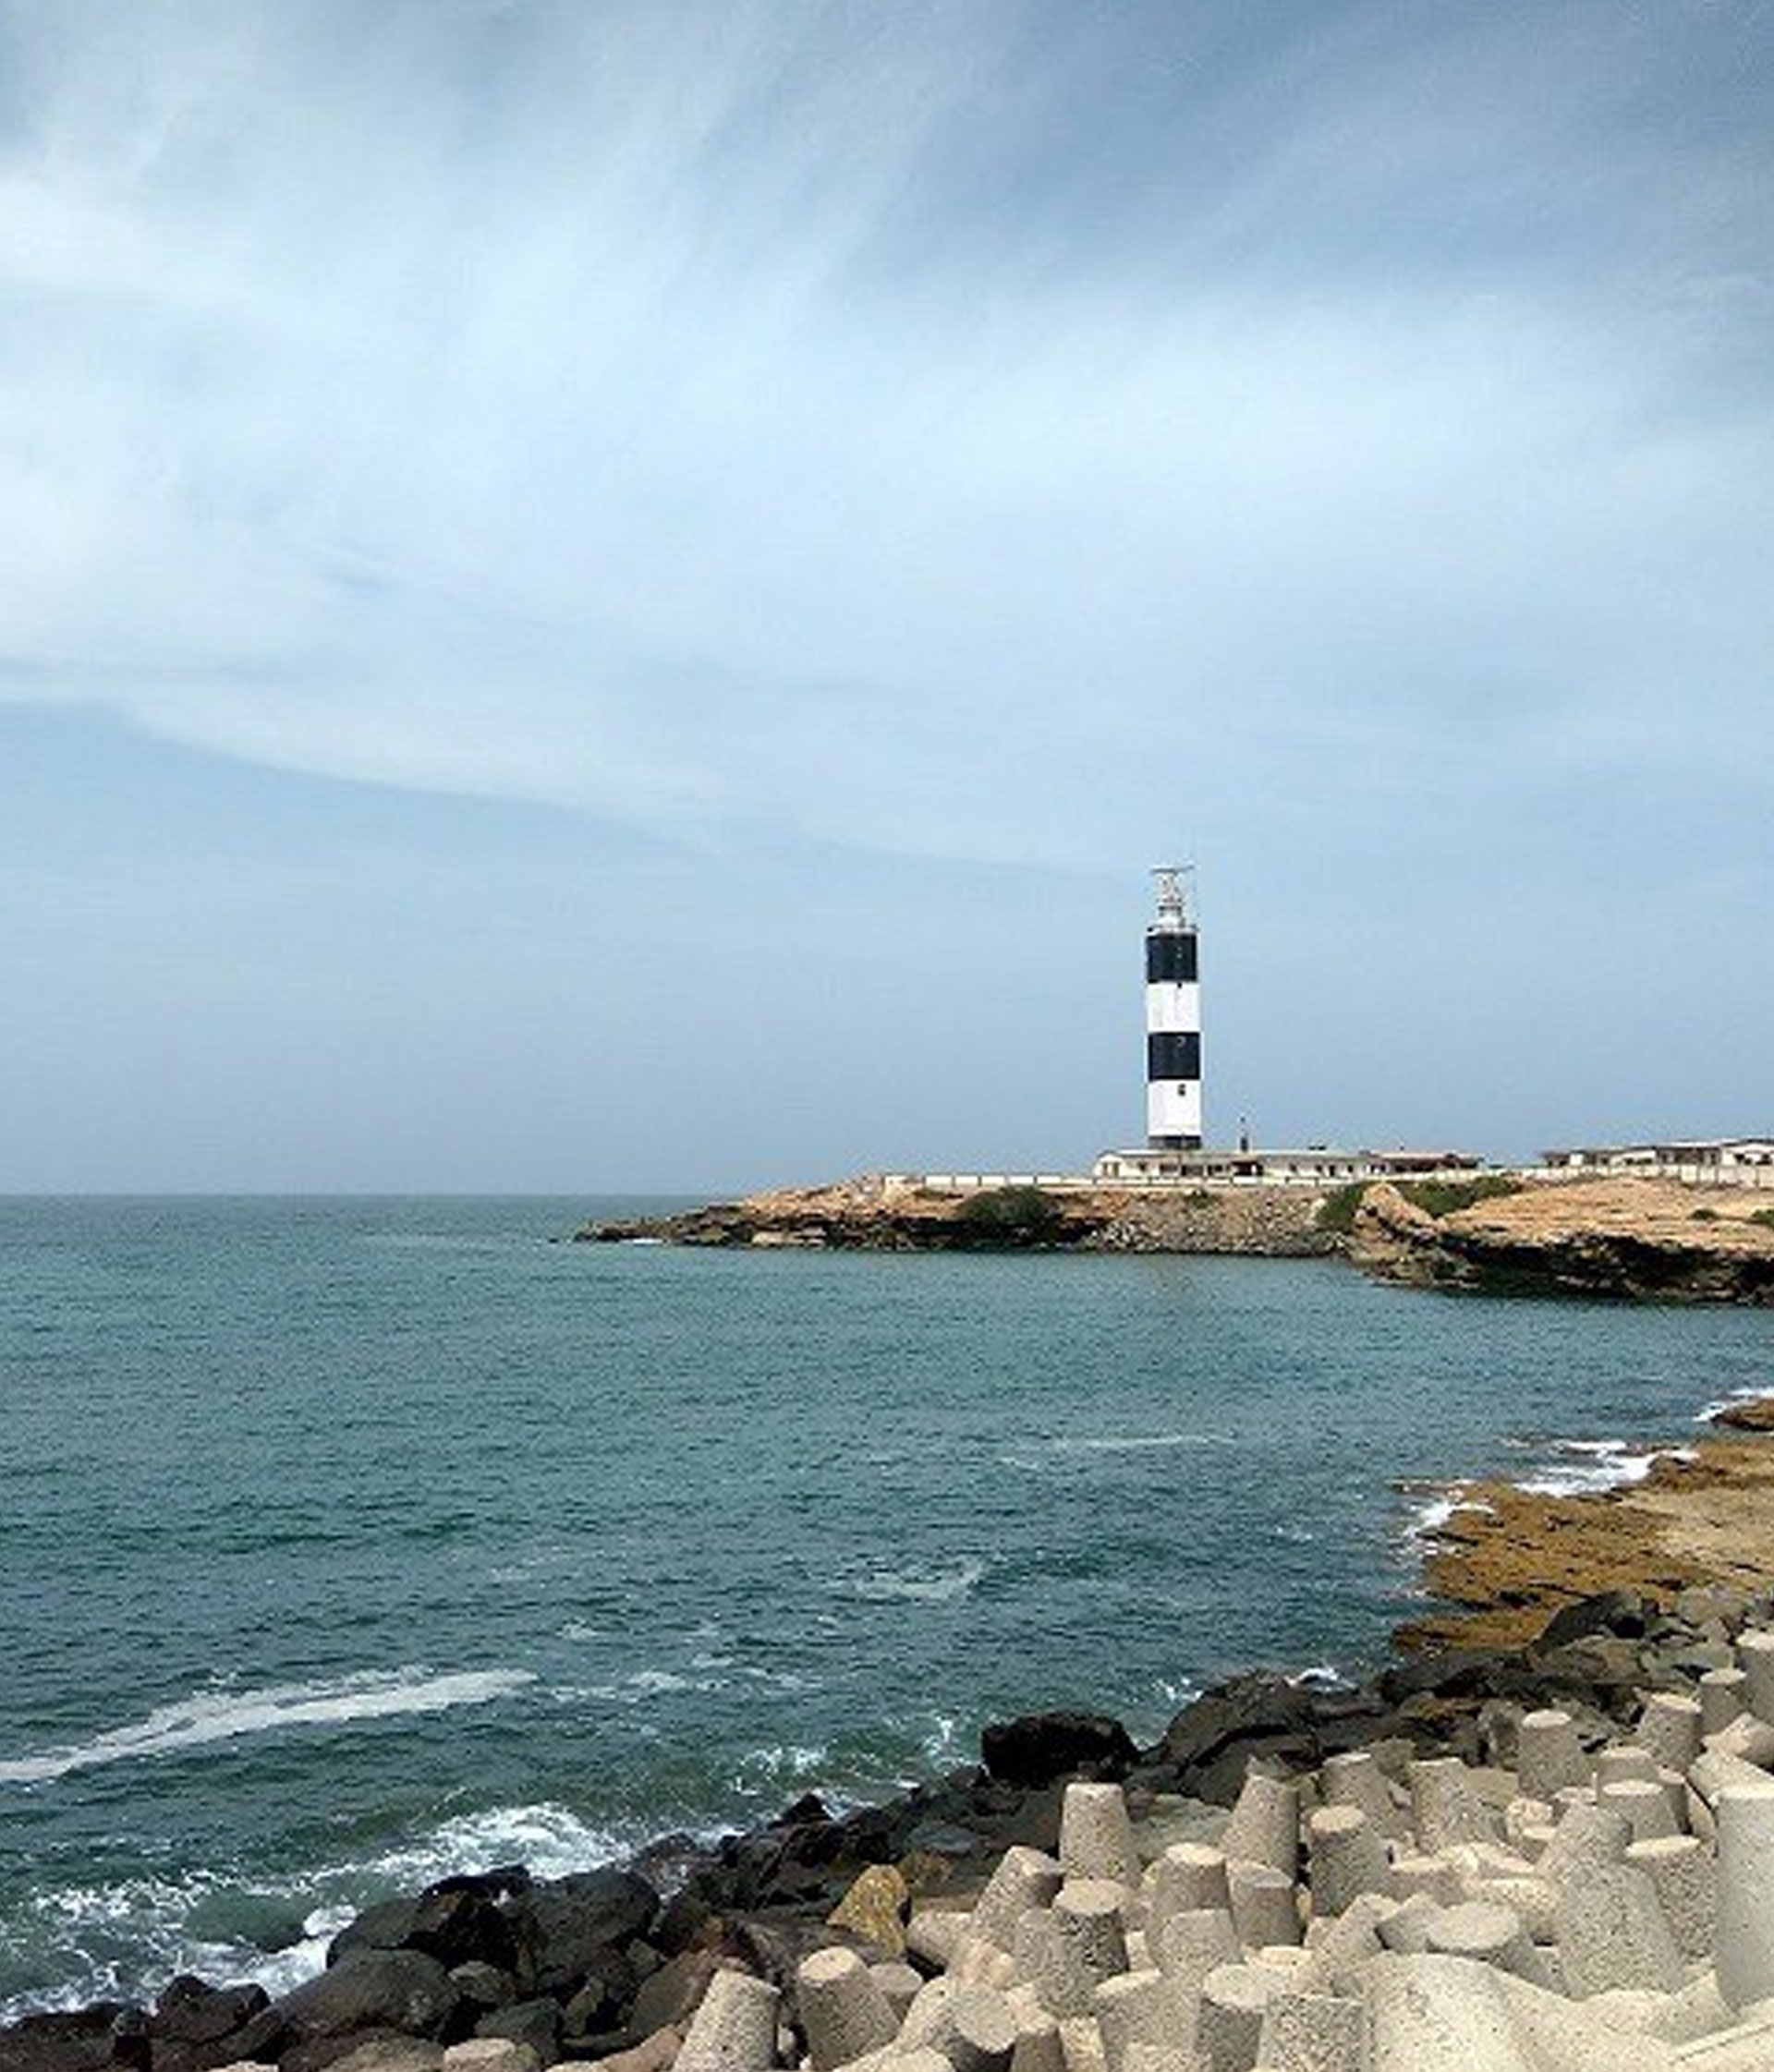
938 429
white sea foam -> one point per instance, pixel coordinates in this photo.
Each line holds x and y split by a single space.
224 1715
1753 1392
160 1923
922 1585
1322 1675
1584 1467
1436 1510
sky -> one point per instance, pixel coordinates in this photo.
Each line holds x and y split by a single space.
602 595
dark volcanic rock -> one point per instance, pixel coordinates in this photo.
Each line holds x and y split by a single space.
561 1927
1040 1747
402 1990
188 2011
71 2042
1620 1612
376 2050
675 1991
600 2003
456 1924
535 2022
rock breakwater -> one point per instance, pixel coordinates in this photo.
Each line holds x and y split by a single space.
1533 1853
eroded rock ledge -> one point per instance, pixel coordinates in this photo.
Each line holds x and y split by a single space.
1644 1240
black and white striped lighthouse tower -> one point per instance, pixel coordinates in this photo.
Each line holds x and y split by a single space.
1173 1017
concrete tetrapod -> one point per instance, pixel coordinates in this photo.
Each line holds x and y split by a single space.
1096 1836
1723 1694
1139 2007
1348 1857
1684 1877
1023 1879
1311 2032
1549 1758
735 2028
1265 1824
1756 1659
1187 1877
1446 2014
1084 1946
844 2012
1611 1932
1354 1778
1230 2026
1644 1805
1445 1810
1745 1948
1265 1909
1670 1729
1192 1945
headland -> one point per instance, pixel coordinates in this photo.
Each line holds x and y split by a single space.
1496 1231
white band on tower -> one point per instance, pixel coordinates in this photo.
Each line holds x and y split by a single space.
1173 1018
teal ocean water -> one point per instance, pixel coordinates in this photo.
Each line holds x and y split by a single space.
347 1542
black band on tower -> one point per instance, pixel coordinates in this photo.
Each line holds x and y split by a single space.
1170 959
1173 1055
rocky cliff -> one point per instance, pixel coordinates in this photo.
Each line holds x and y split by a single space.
1644 1239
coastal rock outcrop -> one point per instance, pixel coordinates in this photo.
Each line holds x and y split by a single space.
884 1213
1642 1239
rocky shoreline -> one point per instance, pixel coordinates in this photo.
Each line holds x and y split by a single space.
1639 1239
1333 1842
883 1213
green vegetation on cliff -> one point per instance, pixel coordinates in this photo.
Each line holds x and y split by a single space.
1009 1216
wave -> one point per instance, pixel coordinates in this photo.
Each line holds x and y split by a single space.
225 1715
1585 1467
1752 1392
925 1585
1135 1442
129 1938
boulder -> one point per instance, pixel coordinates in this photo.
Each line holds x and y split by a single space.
560 1927
874 1910
673 1993
402 1991
189 2011
534 2022
1040 1748
456 1924
62 2043
1620 1612
376 2050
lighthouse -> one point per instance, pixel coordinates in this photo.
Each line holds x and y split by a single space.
1173 1017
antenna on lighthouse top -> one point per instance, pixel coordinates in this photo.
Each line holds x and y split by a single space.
1175 884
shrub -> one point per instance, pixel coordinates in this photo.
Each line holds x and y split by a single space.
1704 1216
1443 1197
1009 1216
1764 1216
1337 1210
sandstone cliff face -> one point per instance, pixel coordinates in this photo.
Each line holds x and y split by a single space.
1644 1240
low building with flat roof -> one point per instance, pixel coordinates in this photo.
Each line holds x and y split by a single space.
1317 1165
1725 1160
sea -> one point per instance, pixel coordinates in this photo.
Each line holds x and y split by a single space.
347 1543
